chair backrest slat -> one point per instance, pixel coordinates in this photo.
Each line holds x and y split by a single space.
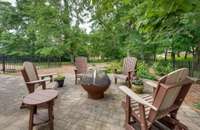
81 64
31 72
129 64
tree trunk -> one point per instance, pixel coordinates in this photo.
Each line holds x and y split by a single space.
48 61
4 64
166 52
72 58
198 54
186 53
178 54
60 60
193 52
154 55
173 56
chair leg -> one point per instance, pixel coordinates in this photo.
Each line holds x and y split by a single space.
127 117
50 113
143 123
51 78
180 126
31 118
129 127
35 110
75 80
127 108
174 114
23 106
115 80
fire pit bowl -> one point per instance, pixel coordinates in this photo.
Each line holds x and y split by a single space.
95 83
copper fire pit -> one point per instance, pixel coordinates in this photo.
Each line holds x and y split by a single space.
95 83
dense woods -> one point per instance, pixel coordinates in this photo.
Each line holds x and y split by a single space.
143 28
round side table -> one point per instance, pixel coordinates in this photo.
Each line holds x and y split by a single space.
38 98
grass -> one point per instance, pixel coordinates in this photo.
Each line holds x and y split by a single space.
181 58
197 106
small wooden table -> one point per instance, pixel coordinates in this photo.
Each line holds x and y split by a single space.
39 98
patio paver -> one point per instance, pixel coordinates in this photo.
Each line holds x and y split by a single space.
73 110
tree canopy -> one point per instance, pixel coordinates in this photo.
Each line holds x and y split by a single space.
143 28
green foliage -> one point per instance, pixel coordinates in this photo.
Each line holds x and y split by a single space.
137 82
114 65
159 25
119 27
59 77
40 28
197 105
162 68
143 71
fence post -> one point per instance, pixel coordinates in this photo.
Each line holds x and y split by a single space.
4 64
189 67
174 65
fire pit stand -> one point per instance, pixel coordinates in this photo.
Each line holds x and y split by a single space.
95 83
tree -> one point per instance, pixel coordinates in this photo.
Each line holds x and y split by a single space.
161 24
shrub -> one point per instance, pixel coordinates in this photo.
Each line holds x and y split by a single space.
162 68
59 77
114 65
143 71
137 82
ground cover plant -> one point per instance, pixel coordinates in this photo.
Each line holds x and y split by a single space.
143 71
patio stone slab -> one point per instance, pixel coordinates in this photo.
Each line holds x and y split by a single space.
72 110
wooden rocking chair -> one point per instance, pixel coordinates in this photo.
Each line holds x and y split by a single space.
129 65
81 67
162 107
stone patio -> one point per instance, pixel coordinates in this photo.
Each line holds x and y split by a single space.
73 110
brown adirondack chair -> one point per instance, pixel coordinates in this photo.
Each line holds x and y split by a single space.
81 67
33 80
128 69
160 107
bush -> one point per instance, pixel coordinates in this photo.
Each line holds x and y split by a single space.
114 65
59 77
143 71
162 67
137 82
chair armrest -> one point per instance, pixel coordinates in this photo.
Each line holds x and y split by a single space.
47 75
36 82
32 83
134 96
91 68
194 80
150 83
